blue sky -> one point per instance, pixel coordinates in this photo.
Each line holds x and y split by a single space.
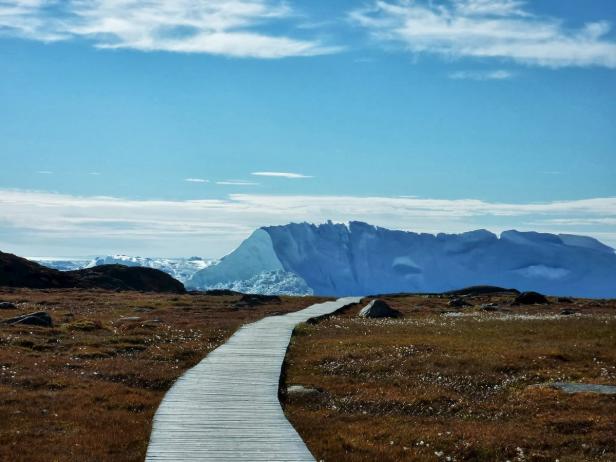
504 102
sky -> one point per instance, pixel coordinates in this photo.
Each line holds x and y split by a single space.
161 128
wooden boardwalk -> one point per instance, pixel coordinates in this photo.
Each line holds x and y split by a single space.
226 407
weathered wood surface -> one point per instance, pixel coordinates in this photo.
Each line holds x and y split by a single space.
226 407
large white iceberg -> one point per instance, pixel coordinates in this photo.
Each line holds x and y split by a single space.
359 259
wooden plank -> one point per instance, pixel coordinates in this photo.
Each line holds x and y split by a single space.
226 407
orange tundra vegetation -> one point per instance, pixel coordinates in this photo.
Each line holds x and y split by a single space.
453 384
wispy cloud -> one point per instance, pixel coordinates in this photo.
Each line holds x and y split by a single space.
45 172
481 75
219 27
281 175
94 173
196 180
237 183
213 227
504 29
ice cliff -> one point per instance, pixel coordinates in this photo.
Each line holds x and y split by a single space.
358 259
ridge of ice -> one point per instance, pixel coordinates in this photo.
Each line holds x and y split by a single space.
359 259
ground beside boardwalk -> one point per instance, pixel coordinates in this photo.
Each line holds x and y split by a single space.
87 388
445 384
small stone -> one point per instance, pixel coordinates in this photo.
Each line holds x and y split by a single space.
489 307
301 391
128 319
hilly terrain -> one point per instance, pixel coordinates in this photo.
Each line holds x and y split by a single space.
181 269
20 272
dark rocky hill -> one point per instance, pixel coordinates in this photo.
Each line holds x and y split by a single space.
19 272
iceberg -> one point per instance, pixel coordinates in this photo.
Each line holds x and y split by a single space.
361 259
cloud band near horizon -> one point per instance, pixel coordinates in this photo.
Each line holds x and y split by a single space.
46 223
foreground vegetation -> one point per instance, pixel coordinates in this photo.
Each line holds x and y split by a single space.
87 388
445 384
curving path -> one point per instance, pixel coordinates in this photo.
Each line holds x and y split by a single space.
226 407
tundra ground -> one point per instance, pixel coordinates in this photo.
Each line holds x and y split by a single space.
447 384
87 388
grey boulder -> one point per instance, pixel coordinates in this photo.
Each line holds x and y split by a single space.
379 309
40 318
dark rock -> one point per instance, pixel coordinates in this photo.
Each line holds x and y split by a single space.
19 272
220 292
489 307
482 290
7 306
567 311
379 309
458 303
251 300
565 300
40 318
121 278
531 298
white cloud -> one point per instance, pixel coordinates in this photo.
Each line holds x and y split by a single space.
219 27
196 180
46 224
44 172
281 175
236 183
481 75
582 221
503 29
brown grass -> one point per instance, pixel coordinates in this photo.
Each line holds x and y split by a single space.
87 389
432 387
